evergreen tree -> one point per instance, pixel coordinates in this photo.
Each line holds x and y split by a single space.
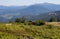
17 20
23 19
58 19
52 19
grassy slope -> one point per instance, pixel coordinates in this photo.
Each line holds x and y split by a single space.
21 31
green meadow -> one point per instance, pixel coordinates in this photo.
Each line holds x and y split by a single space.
22 31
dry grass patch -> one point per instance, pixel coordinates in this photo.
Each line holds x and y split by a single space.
53 23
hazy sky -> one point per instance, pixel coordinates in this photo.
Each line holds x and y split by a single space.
26 2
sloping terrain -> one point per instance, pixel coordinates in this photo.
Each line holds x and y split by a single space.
46 16
21 31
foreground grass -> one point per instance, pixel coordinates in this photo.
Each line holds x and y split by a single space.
21 31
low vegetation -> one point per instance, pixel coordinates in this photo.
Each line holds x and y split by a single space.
22 31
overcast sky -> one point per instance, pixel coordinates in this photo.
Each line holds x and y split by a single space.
26 2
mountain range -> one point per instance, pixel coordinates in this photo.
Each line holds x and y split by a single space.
36 11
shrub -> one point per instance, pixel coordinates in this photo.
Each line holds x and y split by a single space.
49 26
58 19
33 23
17 20
52 19
38 22
18 38
24 23
29 23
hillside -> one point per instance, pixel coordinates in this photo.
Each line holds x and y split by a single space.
45 16
21 31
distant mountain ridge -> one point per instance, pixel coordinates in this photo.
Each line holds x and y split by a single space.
36 11
46 16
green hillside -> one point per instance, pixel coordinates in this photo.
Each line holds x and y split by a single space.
21 31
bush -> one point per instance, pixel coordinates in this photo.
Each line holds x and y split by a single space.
52 19
33 23
24 23
38 22
29 23
17 20
50 26
58 19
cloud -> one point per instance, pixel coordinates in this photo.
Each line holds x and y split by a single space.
26 2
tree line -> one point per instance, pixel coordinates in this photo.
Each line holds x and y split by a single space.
35 22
